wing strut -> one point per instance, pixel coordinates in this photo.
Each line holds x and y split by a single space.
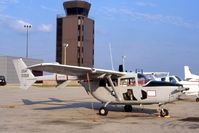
113 87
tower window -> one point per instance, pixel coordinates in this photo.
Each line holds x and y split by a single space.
79 27
82 27
78 44
79 38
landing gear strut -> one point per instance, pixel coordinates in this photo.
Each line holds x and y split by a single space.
128 108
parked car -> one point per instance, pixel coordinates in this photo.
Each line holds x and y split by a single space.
2 80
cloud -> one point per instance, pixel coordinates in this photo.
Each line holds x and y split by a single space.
145 4
45 28
5 3
17 25
174 20
48 9
13 23
113 13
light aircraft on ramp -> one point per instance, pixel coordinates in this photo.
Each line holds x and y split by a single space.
191 81
189 76
110 87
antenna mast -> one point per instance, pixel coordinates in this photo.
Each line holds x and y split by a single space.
111 56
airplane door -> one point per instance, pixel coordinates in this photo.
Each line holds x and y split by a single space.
137 91
135 94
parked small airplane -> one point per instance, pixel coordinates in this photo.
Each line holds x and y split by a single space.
21 66
191 81
154 75
110 87
189 76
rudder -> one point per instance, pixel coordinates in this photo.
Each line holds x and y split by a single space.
187 73
26 78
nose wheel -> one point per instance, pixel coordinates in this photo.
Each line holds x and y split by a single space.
164 112
103 111
197 99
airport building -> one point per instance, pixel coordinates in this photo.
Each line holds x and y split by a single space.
75 35
7 68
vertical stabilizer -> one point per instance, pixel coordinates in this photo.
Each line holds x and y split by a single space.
187 73
26 78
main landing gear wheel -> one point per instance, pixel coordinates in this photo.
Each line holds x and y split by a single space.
164 112
128 108
103 111
197 99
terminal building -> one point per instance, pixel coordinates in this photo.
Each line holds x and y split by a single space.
75 35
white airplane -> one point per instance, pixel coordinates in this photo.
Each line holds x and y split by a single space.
191 81
110 87
154 75
21 66
189 76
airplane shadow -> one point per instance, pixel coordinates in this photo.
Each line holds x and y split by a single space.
57 104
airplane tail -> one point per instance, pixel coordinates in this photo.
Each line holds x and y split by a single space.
187 73
26 77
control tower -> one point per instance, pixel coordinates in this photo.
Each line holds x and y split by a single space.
75 35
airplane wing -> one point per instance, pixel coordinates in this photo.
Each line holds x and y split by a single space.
80 72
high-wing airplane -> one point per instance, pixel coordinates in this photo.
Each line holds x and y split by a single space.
111 87
191 81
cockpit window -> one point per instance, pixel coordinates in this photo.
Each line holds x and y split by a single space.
163 79
128 82
172 80
131 81
142 80
179 79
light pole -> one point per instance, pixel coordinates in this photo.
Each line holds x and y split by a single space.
27 26
65 51
123 57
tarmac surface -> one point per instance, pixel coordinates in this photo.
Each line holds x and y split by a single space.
50 110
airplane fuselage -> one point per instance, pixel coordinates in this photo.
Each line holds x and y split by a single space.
132 95
193 87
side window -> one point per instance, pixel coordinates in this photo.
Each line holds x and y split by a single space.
172 80
163 79
141 80
105 83
127 82
115 82
144 95
102 83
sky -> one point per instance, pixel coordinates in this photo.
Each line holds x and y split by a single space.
153 35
